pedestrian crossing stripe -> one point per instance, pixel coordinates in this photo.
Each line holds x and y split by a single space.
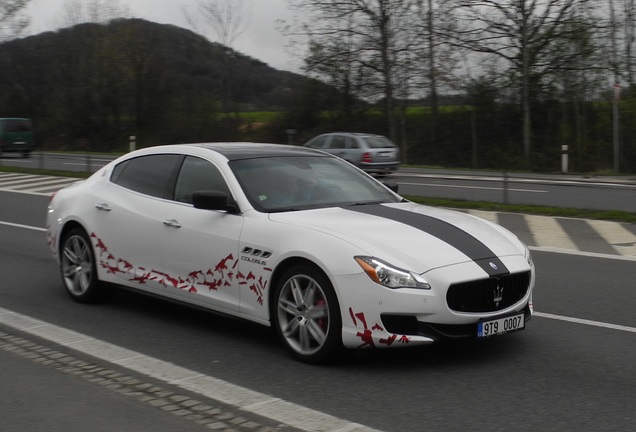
551 232
34 184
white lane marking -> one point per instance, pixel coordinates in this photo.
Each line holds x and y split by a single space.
474 187
22 226
26 192
586 322
5 175
553 249
547 232
20 181
619 237
239 397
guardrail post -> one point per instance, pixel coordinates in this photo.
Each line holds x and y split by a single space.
564 159
505 187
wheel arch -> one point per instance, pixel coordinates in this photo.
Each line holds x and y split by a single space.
68 226
278 273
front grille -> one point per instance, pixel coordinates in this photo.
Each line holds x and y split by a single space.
488 295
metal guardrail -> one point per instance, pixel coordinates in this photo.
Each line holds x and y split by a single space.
80 162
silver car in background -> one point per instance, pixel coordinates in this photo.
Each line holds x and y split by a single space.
371 153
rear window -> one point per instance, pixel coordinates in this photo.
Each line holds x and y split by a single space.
379 142
18 125
151 175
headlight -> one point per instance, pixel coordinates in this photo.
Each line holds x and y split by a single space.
389 276
528 255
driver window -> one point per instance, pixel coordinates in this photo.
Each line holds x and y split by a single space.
195 175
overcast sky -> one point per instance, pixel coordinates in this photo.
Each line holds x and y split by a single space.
261 40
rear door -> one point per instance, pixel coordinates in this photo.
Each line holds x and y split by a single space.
339 146
128 221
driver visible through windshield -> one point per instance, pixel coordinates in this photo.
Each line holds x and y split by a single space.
304 182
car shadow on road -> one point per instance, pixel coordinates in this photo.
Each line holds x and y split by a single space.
442 354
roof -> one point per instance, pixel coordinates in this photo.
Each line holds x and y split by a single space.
241 150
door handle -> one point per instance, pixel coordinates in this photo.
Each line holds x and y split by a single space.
172 223
103 206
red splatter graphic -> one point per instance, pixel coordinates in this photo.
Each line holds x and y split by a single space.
366 335
222 275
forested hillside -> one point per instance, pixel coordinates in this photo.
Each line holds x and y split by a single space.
92 85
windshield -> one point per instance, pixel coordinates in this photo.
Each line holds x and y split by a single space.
297 183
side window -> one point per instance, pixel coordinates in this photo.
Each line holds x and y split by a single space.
318 142
353 143
338 142
151 175
197 174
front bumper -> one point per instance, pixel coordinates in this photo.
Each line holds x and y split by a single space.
375 316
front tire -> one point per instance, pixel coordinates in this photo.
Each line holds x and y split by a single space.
78 267
306 315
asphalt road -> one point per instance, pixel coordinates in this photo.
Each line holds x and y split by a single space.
572 369
556 190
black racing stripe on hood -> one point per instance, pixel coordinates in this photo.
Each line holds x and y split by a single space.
457 238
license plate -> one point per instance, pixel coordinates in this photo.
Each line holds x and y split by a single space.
500 326
386 155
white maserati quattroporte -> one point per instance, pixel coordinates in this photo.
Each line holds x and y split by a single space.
292 238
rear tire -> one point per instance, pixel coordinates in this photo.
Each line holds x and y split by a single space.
79 269
306 315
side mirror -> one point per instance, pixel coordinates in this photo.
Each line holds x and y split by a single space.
214 200
392 185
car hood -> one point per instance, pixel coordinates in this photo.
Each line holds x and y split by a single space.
416 237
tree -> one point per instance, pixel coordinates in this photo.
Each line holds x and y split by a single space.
92 11
525 34
371 37
621 39
228 18
13 19
435 56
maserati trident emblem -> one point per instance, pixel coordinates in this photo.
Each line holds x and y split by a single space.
498 294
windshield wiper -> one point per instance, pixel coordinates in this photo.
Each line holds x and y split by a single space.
367 203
